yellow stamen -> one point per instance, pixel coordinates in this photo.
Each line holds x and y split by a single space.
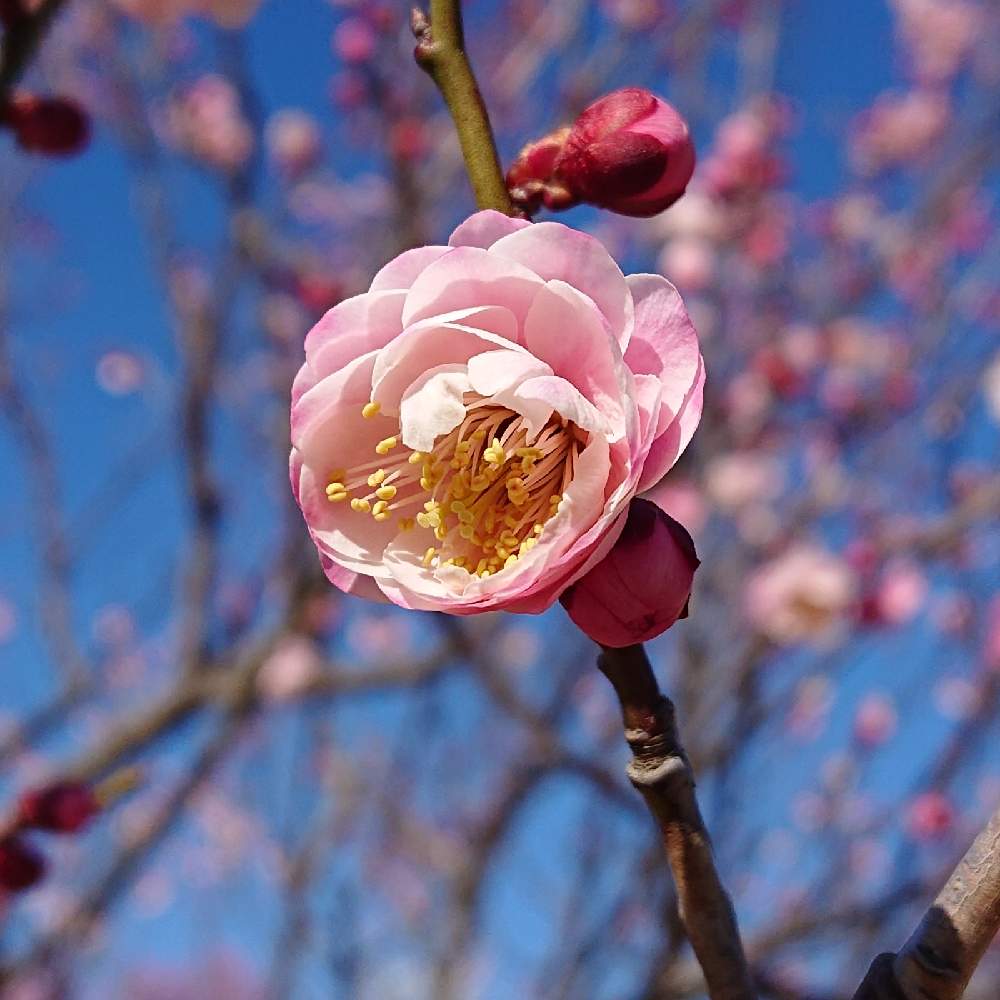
386 445
362 506
376 478
370 410
385 492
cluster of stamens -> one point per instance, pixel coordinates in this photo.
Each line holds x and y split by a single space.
483 492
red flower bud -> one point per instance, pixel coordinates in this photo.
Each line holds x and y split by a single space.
64 807
642 585
21 866
630 152
54 126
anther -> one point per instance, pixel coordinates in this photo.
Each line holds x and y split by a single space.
385 445
370 410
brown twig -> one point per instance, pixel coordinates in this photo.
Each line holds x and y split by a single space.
441 52
938 960
660 771
20 43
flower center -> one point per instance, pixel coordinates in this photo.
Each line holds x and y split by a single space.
483 492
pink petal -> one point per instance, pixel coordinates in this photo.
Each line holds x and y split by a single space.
403 270
664 342
449 339
353 327
566 400
499 375
484 228
554 251
347 388
588 357
670 445
467 277
351 583
433 406
495 371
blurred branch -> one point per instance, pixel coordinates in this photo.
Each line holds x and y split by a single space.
55 603
661 772
938 960
21 41
441 52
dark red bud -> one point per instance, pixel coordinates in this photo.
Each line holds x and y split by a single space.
65 807
53 126
630 152
642 586
21 866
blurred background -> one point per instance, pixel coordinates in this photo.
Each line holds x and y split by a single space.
340 799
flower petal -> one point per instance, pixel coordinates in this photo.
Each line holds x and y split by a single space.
565 329
553 251
664 342
433 406
469 277
566 400
449 339
353 327
484 228
670 445
402 271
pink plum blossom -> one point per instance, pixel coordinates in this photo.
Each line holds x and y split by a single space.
468 433
800 595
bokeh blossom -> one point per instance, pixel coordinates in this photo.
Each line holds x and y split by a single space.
800 595
467 434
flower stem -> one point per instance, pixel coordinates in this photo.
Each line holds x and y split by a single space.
441 53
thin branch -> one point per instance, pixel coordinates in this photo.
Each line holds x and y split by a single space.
938 960
660 771
441 52
20 43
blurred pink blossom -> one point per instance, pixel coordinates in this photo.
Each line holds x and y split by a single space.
293 665
930 817
938 34
205 119
898 128
875 720
739 478
800 595
120 373
354 40
293 141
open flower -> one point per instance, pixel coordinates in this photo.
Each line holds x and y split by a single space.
467 435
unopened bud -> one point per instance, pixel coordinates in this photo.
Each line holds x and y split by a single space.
21 866
629 152
64 807
53 126
641 587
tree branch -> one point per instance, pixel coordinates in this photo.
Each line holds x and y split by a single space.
660 771
20 43
441 53
938 960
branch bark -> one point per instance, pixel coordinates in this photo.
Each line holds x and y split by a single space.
20 43
660 771
938 960
441 53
